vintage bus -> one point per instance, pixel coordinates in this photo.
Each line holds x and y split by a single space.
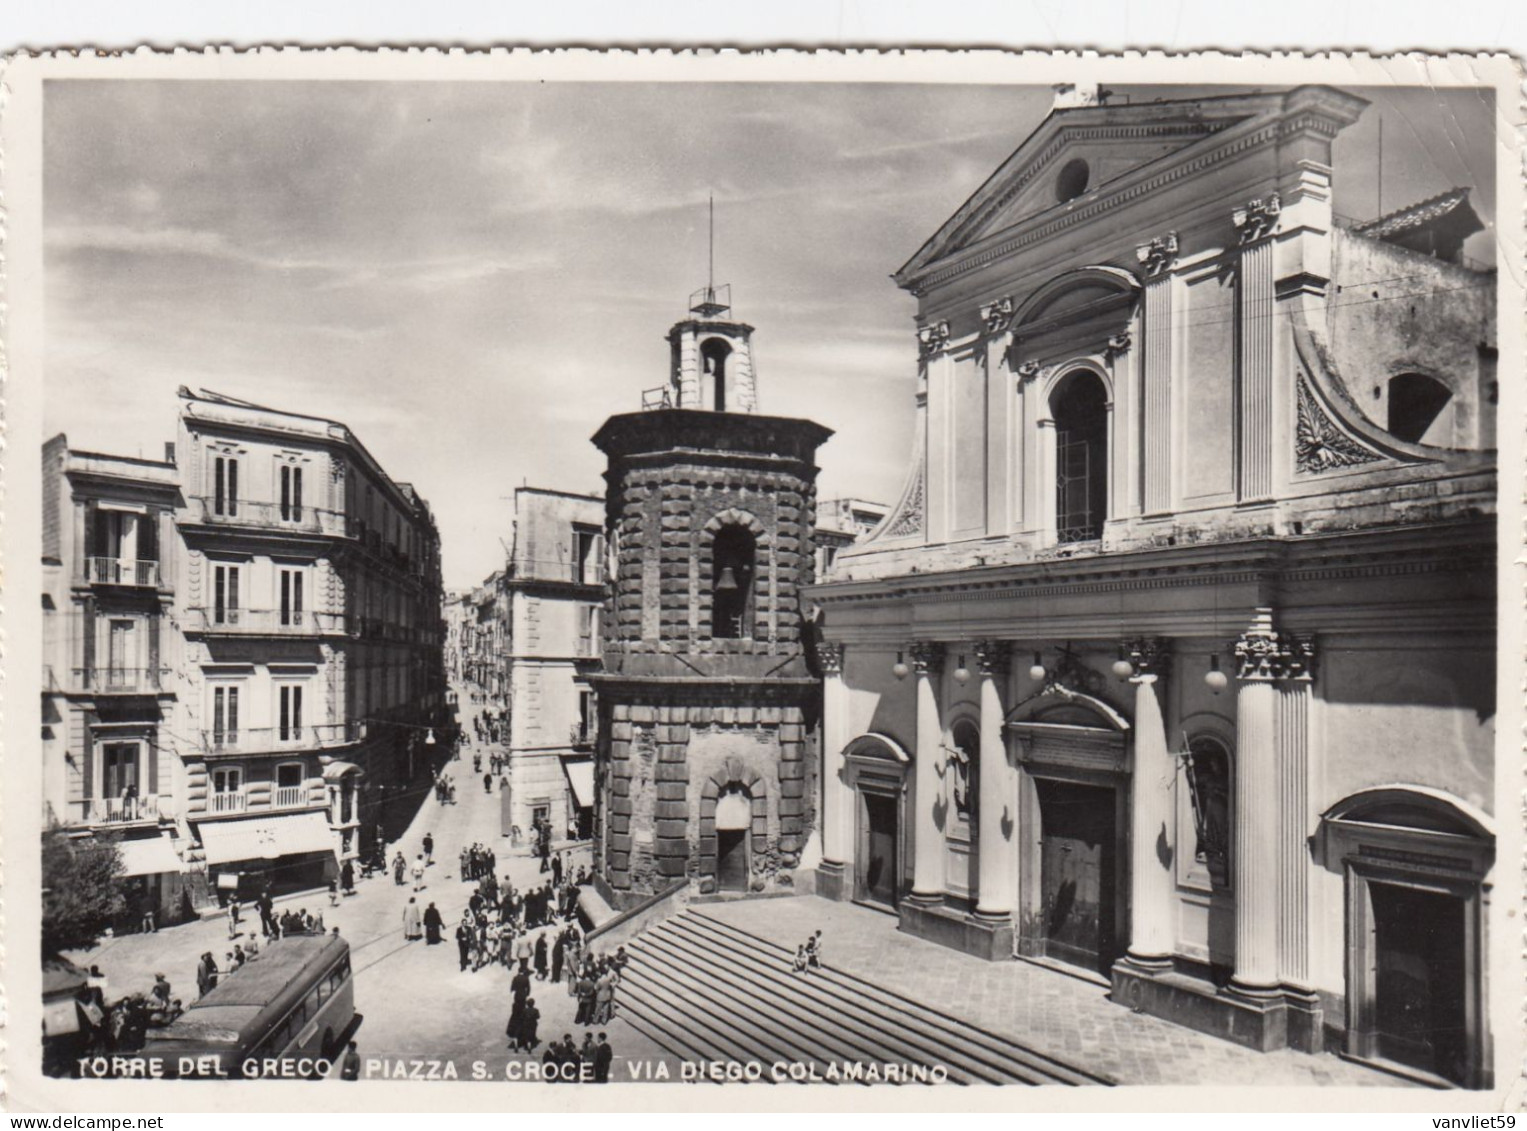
285 1015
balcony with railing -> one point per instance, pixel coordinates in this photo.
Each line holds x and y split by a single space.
267 622
111 680
250 798
276 740
122 571
148 809
253 514
288 797
228 801
582 736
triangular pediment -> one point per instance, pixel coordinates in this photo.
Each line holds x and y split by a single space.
1077 155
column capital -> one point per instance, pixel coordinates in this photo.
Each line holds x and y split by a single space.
1265 654
993 657
1150 655
933 338
927 656
830 654
1158 255
1257 218
997 314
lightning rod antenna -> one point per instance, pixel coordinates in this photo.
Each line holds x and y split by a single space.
710 289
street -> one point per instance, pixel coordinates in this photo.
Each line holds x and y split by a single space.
413 999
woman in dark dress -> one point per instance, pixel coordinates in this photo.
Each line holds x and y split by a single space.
432 925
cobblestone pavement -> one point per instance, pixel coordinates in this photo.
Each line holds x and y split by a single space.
415 1001
1045 1009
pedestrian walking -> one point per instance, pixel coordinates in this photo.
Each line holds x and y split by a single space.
418 872
347 878
432 924
333 893
350 1068
399 866
540 960
556 870
412 920
233 917
429 849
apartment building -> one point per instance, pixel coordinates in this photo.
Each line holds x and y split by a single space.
313 634
108 693
555 589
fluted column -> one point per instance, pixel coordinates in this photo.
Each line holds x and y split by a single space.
1157 259
927 837
1151 882
1256 222
996 824
1267 658
835 833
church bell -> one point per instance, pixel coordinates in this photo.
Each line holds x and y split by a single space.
727 580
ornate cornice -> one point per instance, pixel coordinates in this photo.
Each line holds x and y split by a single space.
927 657
1257 218
1158 255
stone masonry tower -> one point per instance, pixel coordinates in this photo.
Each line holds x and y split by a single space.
706 761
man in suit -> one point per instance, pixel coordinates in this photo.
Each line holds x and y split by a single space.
603 1055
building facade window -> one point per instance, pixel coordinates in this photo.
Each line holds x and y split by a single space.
225 485
586 558
225 715
290 585
119 770
121 653
1208 774
225 594
733 557
289 712
1079 408
291 493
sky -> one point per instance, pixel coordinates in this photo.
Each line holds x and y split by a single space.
473 276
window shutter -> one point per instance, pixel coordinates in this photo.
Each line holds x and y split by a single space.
233 486
153 764
148 537
89 761
218 492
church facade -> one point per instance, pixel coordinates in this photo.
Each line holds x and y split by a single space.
705 760
1173 666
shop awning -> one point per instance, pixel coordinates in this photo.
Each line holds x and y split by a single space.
149 856
336 770
580 775
266 838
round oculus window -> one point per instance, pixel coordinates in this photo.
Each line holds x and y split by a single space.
1073 180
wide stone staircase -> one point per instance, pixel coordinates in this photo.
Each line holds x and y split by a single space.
706 991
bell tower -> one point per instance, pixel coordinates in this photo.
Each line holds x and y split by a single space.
711 366
705 769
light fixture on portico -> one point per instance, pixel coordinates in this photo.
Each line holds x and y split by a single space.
961 672
1122 667
1216 679
899 669
1037 669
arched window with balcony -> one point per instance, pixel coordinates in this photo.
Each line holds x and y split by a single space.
1079 409
733 567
